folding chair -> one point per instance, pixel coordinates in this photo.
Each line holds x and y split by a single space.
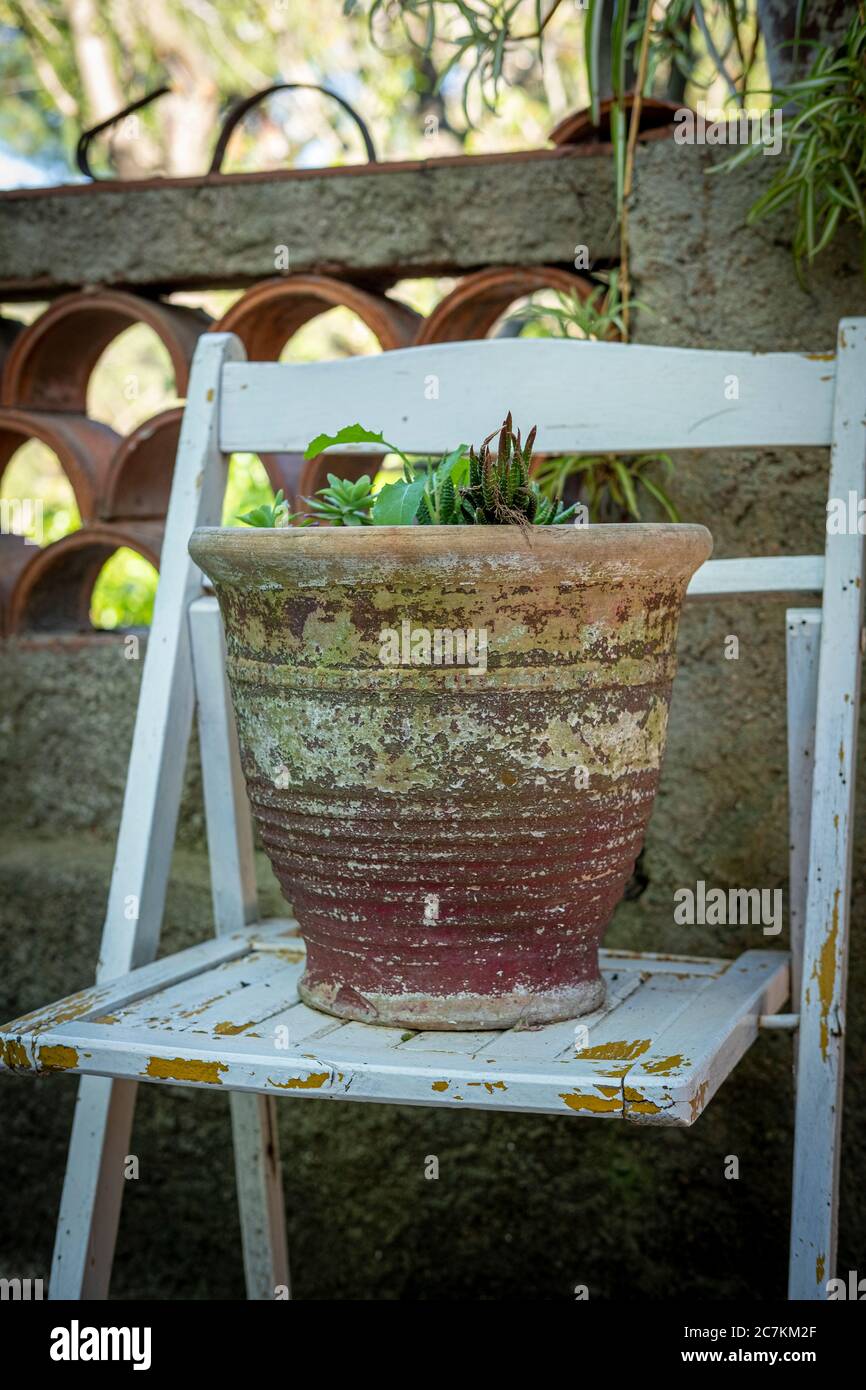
226 1012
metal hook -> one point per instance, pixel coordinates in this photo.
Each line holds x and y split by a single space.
237 113
87 136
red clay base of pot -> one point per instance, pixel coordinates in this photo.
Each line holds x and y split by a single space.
456 1012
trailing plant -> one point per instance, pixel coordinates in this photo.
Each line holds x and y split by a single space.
610 484
822 171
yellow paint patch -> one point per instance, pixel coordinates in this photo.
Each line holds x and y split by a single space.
663 1066
58 1058
440 1085
185 1069
819 1269
106 1018
228 1030
313 1082
598 1105
14 1054
614 1051
489 1086
697 1100
820 357
639 1104
824 974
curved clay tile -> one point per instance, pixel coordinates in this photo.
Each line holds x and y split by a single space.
656 118
50 362
52 592
267 316
473 306
139 478
84 449
15 553
9 330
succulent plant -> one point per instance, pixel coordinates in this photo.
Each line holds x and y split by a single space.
500 491
343 503
273 514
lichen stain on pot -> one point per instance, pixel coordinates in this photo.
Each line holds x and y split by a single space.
514 797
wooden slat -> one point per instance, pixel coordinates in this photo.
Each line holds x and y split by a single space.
803 645
227 809
235 903
758 577
432 398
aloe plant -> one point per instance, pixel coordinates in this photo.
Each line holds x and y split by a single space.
499 489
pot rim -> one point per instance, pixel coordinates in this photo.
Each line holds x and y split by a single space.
603 540
232 554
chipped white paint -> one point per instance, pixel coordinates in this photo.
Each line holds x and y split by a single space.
803 626
825 946
574 391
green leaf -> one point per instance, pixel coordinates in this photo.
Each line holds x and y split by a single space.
627 483
397 503
661 497
349 434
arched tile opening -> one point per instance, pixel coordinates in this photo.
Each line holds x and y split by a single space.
52 592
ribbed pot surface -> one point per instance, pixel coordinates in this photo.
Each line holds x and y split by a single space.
454 837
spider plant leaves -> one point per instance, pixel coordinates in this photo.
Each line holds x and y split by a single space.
822 168
606 479
627 485
661 497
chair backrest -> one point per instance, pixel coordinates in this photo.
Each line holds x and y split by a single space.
584 397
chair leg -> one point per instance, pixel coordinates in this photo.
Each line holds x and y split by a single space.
90 1206
260 1195
821 1045
233 885
92 1189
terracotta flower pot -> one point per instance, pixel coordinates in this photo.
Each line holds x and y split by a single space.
454 838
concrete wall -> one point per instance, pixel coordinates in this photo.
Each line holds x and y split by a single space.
525 1207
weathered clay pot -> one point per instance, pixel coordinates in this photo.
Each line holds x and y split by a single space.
454 840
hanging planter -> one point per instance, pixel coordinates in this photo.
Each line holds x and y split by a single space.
451 736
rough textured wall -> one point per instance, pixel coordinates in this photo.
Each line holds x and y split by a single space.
525 1207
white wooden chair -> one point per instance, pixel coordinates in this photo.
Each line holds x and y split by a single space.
157 1020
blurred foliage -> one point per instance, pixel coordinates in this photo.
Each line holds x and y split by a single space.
608 486
823 166
124 592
